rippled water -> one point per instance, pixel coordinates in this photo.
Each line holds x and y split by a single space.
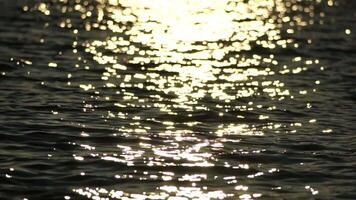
179 99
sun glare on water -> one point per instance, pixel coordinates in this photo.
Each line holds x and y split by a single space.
167 61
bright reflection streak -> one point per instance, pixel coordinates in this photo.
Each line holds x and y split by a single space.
196 43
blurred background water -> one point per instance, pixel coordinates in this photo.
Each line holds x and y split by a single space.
180 99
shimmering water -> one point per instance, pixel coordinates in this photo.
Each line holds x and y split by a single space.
178 99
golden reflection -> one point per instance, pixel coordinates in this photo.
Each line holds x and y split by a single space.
188 51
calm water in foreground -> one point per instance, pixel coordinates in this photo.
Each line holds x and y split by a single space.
178 99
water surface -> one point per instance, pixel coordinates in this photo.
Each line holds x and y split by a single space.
180 99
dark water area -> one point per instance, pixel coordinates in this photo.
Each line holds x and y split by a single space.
181 99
